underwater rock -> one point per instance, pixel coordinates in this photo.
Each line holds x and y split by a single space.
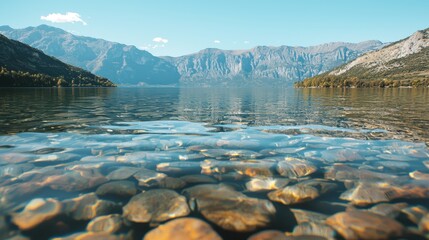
415 213
314 229
295 168
106 224
266 184
228 208
36 212
365 225
88 206
198 178
171 183
388 210
122 173
156 206
268 235
72 181
122 188
419 175
148 178
424 224
183 228
302 192
302 216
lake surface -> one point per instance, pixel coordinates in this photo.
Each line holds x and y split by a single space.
278 152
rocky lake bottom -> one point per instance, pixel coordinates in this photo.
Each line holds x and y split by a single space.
74 173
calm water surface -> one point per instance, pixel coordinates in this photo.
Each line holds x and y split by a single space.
64 143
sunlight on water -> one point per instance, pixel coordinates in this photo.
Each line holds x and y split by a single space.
90 160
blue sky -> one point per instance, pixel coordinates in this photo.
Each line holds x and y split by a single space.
178 27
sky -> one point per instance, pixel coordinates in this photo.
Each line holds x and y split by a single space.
180 27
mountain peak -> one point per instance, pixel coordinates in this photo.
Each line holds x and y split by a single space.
5 28
47 28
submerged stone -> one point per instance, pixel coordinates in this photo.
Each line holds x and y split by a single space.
118 188
365 225
183 228
14 170
122 173
388 210
302 192
295 168
172 183
230 209
36 212
419 175
342 172
250 168
156 206
424 224
341 155
93 236
374 192
302 216
266 184
88 206
369 193
268 235
148 178
182 167
198 178
415 213
106 224
314 229
72 181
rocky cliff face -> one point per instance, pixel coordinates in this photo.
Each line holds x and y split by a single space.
265 65
121 63
387 58
401 64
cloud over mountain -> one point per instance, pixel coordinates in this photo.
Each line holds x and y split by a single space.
69 17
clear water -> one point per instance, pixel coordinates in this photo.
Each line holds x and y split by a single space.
179 132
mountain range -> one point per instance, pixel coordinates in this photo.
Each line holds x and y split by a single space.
118 62
24 66
402 63
128 65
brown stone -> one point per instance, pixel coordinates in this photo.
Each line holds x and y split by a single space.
183 228
365 225
302 192
424 224
106 224
119 188
266 184
156 206
88 206
268 235
230 209
36 212
295 168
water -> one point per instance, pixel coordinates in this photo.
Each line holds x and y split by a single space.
62 143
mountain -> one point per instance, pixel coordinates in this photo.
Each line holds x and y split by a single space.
120 63
403 63
128 65
24 66
265 65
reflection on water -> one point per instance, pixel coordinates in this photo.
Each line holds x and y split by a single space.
117 163
403 113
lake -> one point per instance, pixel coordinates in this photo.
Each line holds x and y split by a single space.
242 160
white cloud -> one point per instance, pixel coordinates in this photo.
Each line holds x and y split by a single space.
216 41
246 42
160 40
69 17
